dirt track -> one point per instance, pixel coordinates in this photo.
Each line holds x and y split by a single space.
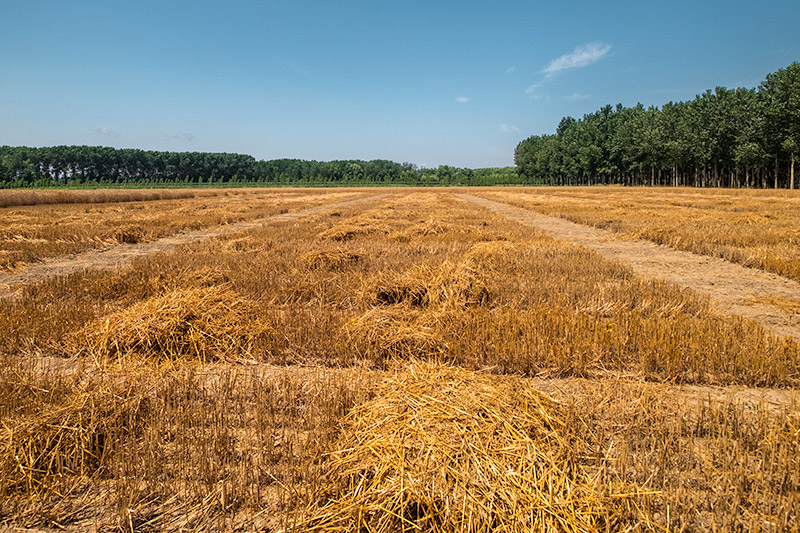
123 254
731 287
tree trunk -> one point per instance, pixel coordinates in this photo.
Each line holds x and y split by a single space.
791 173
776 171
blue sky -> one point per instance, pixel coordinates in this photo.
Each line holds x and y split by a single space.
428 82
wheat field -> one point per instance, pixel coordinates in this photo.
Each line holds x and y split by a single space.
412 362
754 228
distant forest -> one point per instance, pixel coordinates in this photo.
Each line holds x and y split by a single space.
92 166
722 138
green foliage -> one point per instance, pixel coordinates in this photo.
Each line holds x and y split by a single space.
94 166
723 138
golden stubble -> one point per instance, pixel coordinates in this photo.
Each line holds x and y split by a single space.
253 381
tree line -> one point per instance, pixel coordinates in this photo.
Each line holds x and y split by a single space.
92 166
723 138
79 165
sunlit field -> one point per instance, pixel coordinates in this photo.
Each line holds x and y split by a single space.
410 362
755 228
53 223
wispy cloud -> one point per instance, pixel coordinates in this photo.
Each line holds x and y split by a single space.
531 90
105 132
508 128
582 56
511 69
185 137
462 99
576 96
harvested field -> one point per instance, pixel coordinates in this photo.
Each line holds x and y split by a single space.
17 197
45 226
767 298
442 368
754 228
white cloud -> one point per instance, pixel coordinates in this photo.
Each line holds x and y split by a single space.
582 56
531 90
509 128
576 96
511 69
462 99
105 132
185 137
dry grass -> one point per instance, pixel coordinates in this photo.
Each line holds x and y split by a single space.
73 438
181 448
717 460
753 228
17 197
330 259
790 306
220 440
221 447
525 304
207 324
443 449
447 284
30 234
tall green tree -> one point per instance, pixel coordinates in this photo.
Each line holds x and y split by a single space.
781 92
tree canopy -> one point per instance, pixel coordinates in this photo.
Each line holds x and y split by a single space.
723 138
103 166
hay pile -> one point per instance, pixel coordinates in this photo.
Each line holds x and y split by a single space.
490 255
342 232
336 259
446 285
422 229
205 323
368 222
412 311
385 333
444 449
129 235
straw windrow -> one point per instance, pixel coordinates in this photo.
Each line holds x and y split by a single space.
446 285
330 259
206 323
445 449
382 334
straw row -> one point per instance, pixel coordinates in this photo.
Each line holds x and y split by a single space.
205 323
445 449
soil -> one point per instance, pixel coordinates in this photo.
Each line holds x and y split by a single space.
123 254
734 289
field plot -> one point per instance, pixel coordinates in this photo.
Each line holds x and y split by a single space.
60 223
409 362
755 228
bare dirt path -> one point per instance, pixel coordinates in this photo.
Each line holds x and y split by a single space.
734 289
123 254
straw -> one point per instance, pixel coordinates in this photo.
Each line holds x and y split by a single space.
205 323
445 449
